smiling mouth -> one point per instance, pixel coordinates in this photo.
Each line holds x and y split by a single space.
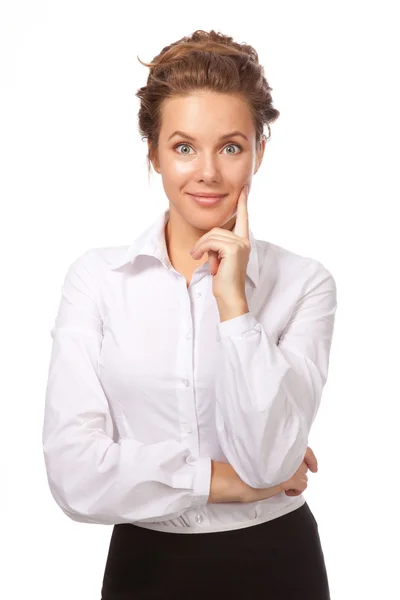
207 200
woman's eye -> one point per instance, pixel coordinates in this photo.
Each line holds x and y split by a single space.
231 145
187 146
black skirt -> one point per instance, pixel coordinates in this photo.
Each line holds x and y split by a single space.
281 559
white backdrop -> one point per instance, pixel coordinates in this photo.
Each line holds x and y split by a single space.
74 176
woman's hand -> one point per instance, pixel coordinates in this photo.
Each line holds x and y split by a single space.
298 482
292 487
228 255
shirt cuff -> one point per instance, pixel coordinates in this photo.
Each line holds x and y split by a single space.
237 326
202 481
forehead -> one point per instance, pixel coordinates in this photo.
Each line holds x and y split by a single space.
200 112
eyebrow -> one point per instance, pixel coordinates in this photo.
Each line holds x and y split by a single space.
223 137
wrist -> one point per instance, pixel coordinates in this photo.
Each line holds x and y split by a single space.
226 485
232 308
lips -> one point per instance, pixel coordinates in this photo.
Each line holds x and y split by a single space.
207 200
205 195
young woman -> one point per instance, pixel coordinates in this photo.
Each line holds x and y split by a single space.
188 368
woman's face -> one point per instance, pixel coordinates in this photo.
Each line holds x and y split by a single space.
201 160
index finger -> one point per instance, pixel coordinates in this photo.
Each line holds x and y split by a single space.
241 227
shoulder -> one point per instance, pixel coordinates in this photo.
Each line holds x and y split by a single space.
286 264
99 259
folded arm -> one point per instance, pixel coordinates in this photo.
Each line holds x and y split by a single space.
92 477
267 393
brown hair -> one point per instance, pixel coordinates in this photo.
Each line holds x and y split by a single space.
204 61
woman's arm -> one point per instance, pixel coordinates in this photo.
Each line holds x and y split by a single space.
226 486
268 391
94 475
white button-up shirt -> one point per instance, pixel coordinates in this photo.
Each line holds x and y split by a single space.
146 386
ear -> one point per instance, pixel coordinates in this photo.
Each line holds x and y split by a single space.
154 159
260 155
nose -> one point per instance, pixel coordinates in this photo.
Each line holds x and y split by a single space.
208 168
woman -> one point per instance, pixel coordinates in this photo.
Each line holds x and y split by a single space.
183 386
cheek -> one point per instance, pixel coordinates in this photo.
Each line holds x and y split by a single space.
173 169
237 168
175 175
239 175
180 168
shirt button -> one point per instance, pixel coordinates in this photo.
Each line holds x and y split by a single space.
188 428
186 382
199 519
188 336
198 294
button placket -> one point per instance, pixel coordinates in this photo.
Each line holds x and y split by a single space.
188 412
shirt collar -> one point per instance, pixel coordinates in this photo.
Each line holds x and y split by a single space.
151 242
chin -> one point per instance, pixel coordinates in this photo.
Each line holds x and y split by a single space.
209 218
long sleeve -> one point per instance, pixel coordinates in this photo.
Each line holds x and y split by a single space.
268 394
93 477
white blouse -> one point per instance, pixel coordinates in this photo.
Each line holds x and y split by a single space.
146 386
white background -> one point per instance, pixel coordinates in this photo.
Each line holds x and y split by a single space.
74 176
